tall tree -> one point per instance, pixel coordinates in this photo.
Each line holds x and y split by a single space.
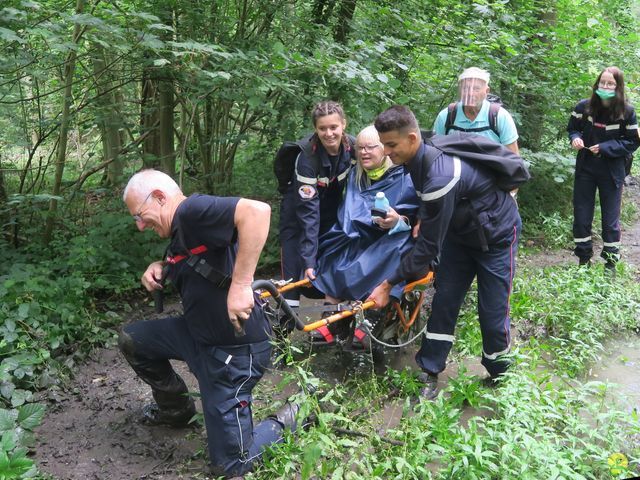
65 120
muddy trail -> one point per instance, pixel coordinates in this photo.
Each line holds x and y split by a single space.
91 429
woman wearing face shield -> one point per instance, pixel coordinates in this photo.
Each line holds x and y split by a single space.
604 131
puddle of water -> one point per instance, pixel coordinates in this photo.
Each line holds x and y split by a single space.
620 365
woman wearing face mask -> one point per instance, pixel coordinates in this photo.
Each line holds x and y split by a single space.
604 131
362 249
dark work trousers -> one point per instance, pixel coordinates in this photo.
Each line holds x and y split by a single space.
459 265
226 376
290 259
584 197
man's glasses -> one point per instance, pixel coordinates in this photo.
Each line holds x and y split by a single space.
367 148
137 217
608 84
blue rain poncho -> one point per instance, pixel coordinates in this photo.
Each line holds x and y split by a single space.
356 255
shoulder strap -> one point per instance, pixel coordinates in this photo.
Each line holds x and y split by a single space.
452 110
199 264
494 109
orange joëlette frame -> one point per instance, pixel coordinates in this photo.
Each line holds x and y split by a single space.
406 324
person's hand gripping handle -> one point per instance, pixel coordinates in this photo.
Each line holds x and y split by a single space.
240 302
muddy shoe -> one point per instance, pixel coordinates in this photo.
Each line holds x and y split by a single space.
584 262
490 382
286 416
430 389
152 415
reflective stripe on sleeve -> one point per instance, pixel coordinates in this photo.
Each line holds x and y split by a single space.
303 179
428 197
632 127
613 127
344 174
576 114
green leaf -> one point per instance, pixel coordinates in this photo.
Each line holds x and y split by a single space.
11 36
8 419
382 77
6 389
225 75
23 310
30 415
160 26
8 441
19 397
160 62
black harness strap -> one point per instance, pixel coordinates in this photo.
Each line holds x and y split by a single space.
199 264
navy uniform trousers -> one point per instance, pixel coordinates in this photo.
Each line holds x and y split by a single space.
290 232
596 175
226 376
459 265
291 263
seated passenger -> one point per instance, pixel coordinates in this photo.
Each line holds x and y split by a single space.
361 250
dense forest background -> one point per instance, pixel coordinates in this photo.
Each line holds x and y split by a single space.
92 91
206 91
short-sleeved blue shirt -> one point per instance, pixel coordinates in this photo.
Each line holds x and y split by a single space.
505 124
209 221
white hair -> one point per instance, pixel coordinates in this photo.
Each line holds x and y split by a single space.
368 135
146 181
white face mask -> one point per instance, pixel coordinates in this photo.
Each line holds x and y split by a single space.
472 92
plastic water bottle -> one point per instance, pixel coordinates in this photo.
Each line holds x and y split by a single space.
381 202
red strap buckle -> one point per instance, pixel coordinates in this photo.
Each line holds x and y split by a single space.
194 251
324 331
359 334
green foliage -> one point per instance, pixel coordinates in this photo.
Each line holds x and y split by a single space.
49 300
575 309
16 428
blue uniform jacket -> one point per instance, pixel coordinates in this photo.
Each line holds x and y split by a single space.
617 139
458 198
317 194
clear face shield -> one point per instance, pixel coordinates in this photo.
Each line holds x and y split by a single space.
472 92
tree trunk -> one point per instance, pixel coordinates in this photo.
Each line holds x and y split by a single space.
149 118
109 117
534 103
69 69
166 133
345 17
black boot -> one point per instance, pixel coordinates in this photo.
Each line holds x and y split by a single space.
152 415
584 261
430 389
286 416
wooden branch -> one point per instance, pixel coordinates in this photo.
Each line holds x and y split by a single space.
82 178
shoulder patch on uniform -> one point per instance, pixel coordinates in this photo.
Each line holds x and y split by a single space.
307 192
